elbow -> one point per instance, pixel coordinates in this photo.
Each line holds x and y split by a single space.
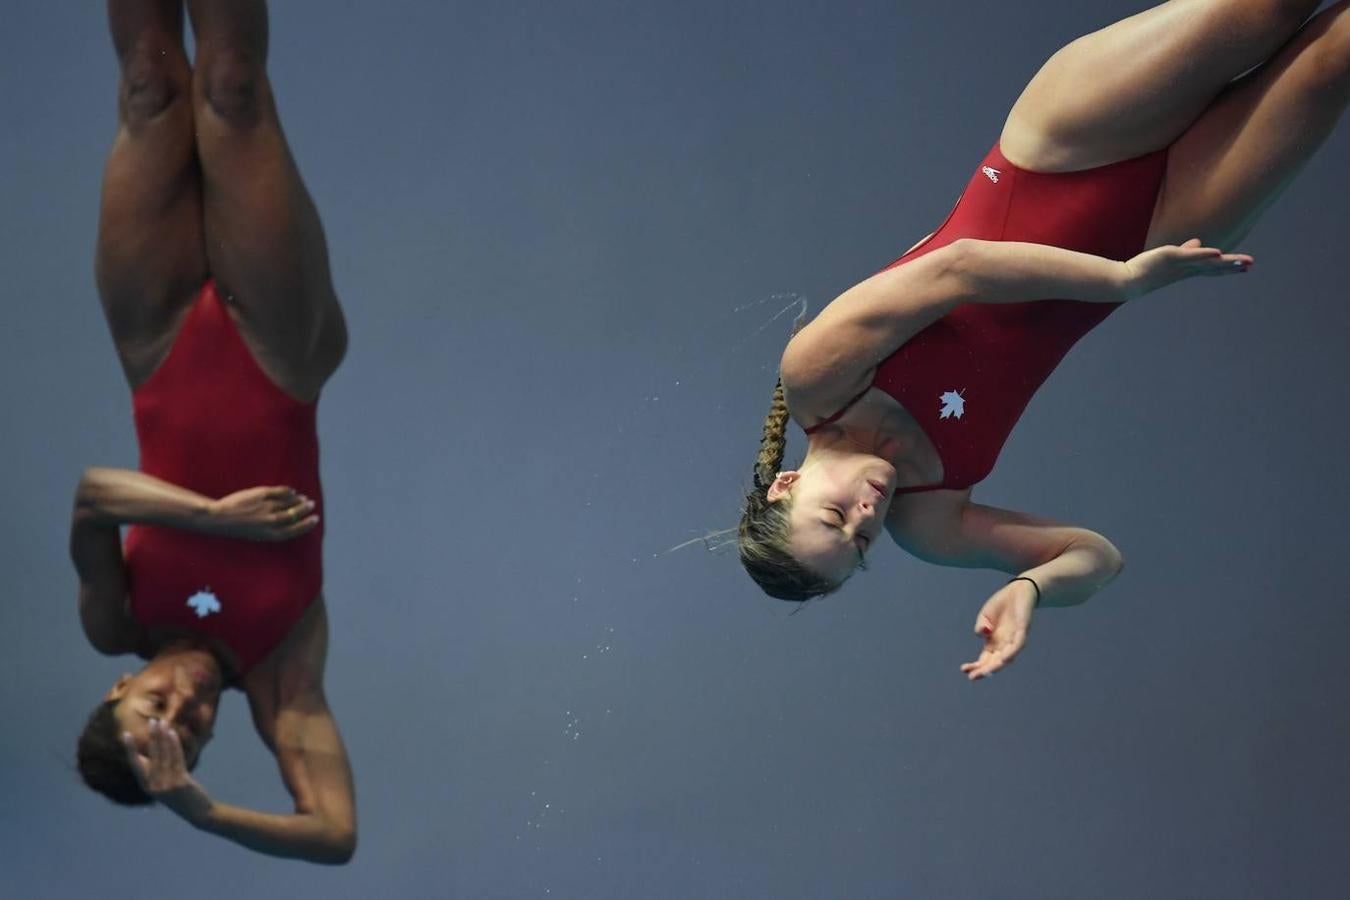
339 848
960 267
1103 560
84 490
1113 561
87 493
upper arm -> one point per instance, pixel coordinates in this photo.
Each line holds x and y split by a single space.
833 357
946 528
292 716
96 551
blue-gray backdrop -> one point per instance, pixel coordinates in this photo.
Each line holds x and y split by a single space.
562 232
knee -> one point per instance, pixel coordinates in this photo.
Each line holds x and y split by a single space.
233 85
1284 14
1330 65
153 79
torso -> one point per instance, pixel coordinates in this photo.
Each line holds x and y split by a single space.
211 420
969 374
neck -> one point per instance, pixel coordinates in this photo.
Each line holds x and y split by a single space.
837 441
189 644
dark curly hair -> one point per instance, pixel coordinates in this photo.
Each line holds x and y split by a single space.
102 759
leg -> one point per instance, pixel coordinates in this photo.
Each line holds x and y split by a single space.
1135 86
150 258
265 243
1246 148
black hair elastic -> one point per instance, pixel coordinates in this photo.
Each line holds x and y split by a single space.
1033 584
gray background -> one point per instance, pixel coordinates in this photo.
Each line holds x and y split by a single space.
562 232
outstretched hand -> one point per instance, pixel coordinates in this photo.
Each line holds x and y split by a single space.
1003 622
1162 266
264 514
162 772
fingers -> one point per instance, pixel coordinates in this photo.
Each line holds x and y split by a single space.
1214 260
304 526
297 519
997 653
166 751
140 765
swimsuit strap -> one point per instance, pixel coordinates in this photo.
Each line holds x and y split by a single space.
835 418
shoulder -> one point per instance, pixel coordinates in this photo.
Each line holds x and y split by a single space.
927 523
815 386
835 357
292 674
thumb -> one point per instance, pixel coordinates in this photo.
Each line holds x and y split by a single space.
1193 242
984 626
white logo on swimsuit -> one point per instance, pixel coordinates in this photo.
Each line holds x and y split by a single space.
953 405
991 172
204 603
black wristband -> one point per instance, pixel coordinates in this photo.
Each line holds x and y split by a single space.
1033 584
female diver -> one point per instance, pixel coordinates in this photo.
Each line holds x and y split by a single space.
1127 145
213 273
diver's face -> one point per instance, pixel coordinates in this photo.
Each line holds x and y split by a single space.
839 506
181 689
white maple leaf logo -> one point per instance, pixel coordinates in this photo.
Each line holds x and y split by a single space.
953 405
991 173
204 603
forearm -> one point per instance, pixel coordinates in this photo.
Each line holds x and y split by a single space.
1075 575
306 836
111 497
1015 272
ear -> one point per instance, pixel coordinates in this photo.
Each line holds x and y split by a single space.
119 688
782 485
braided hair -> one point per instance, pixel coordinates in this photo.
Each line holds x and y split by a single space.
765 529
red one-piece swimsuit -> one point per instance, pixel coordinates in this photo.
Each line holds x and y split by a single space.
210 420
967 378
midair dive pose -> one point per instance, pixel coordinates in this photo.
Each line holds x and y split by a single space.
213 272
1131 157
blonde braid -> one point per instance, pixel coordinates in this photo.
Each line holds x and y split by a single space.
765 530
774 441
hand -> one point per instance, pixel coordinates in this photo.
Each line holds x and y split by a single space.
1003 623
1161 266
264 514
162 772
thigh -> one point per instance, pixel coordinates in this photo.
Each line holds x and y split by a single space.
150 258
265 242
1134 86
1250 144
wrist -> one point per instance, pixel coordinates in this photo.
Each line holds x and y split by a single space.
1032 584
191 804
1126 282
208 513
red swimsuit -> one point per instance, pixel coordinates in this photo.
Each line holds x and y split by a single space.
210 420
967 377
